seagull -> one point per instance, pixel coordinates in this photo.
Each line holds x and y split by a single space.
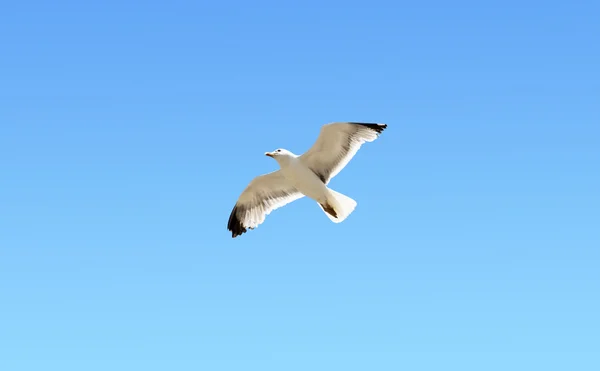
304 175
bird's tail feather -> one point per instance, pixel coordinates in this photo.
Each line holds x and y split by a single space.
338 206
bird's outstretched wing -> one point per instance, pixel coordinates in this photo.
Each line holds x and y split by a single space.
337 143
264 194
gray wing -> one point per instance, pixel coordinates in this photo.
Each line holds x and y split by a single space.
336 145
264 194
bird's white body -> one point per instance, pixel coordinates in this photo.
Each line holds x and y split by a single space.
297 174
302 177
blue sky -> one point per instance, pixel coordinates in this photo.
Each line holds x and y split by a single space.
128 130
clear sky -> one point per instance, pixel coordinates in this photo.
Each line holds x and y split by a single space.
129 129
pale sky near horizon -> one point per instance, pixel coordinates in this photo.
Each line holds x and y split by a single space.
129 129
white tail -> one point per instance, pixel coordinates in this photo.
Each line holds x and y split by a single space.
342 206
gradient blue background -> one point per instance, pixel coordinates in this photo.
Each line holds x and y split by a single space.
128 130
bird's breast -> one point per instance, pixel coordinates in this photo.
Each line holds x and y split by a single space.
304 180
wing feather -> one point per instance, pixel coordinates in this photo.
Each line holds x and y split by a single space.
336 145
264 194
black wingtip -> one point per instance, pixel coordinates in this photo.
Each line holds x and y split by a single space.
235 225
378 128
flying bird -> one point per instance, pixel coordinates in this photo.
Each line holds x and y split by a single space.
304 175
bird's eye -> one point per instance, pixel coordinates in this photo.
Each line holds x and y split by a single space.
278 150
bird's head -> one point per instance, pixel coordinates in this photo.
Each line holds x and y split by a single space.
280 154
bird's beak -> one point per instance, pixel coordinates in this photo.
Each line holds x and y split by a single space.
269 154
